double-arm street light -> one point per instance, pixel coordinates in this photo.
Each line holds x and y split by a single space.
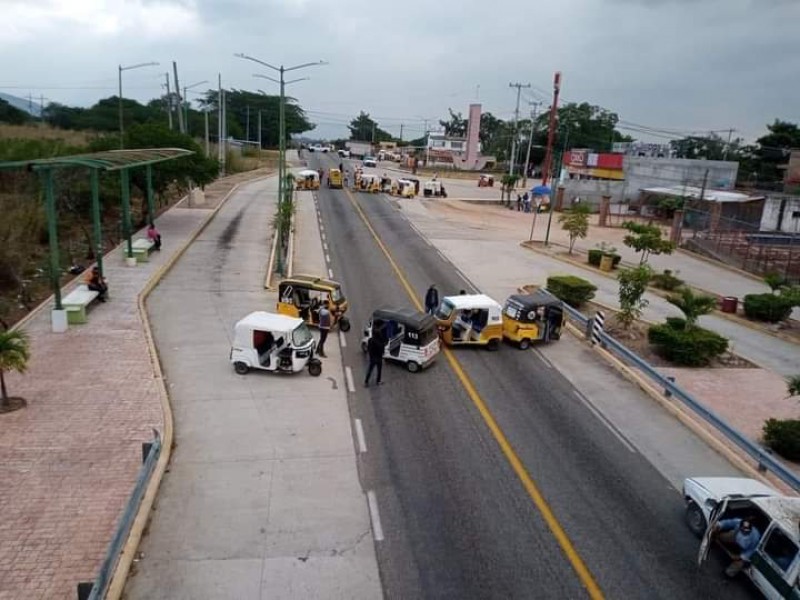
186 103
281 126
121 69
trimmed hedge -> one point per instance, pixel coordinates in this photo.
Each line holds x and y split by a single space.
767 307
666 281
596 255
783 436
572 290
694 347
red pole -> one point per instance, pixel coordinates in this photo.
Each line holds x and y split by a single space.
551 131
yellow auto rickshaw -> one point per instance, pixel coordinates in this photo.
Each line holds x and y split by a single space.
302 296
470 320
534 317
307 180
369 182
334 179
388 186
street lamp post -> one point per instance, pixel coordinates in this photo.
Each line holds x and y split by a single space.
186 102
121 69
281 130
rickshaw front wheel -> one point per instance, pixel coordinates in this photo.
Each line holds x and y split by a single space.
240 367
315 369
412 366
344 324
524 344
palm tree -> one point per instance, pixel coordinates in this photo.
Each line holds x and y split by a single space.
793 385
14 355
693 306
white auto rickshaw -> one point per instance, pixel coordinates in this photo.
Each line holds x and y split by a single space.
412 337
434 189
307 180
405 188
271 342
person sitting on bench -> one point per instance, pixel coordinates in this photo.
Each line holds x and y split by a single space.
154 236
97 283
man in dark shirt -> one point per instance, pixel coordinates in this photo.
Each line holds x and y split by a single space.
375 349
324 327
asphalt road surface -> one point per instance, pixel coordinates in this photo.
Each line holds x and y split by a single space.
457 520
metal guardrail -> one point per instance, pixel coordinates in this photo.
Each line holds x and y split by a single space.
97 590
765 461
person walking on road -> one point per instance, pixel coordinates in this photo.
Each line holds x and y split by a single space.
431 299
324 327
375 349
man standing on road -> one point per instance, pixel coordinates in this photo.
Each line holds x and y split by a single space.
324 327
431 299
375 349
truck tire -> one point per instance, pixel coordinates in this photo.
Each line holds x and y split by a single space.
695 519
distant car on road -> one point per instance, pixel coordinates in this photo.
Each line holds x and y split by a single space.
369 161
344 153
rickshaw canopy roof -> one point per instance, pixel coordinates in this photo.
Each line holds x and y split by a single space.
310 281
334 170
308 173
534 299
407 316
470 301
265 321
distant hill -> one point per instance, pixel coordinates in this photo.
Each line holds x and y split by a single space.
32 108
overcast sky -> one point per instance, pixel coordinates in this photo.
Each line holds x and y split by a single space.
687 65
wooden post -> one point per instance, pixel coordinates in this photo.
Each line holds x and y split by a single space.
677 228
605 207
559 198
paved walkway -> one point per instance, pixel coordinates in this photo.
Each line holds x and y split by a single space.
494 259
262 499
69 460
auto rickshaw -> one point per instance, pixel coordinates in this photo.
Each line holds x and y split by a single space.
412 336
405 188
302 296
307 180
486 181
388 186
433 189
535 317
369 182
335 179
470 320
270 342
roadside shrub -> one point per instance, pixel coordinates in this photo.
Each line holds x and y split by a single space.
690 348
783 437
666 281
575 291
767 307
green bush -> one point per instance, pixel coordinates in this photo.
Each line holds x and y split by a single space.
691 348
767 307
596 255
572 290
783 436
666 281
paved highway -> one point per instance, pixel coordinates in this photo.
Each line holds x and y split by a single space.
458 520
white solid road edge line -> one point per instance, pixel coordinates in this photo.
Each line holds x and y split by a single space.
348 376
605 421
362 441
374 515
342 340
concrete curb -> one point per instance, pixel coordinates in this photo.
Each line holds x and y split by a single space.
731 454
122 570
664 294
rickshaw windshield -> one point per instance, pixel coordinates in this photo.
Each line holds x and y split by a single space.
445 310
336 295
301 336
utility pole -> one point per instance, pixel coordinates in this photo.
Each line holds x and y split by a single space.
513 156
259 133
551 129
530 141
728 145
181 124
401 132
169 100
703 189
208 146
247 127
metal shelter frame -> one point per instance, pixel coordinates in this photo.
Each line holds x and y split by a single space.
111 160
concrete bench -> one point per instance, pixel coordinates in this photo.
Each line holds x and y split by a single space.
142 248
76 303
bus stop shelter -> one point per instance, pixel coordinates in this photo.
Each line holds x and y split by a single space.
122 161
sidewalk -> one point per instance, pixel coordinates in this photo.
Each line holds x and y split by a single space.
262 499
494 259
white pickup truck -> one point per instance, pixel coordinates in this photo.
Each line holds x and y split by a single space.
775 565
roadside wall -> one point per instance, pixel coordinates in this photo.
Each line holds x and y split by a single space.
643 172
781 213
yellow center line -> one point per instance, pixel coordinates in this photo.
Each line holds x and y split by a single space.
541 504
